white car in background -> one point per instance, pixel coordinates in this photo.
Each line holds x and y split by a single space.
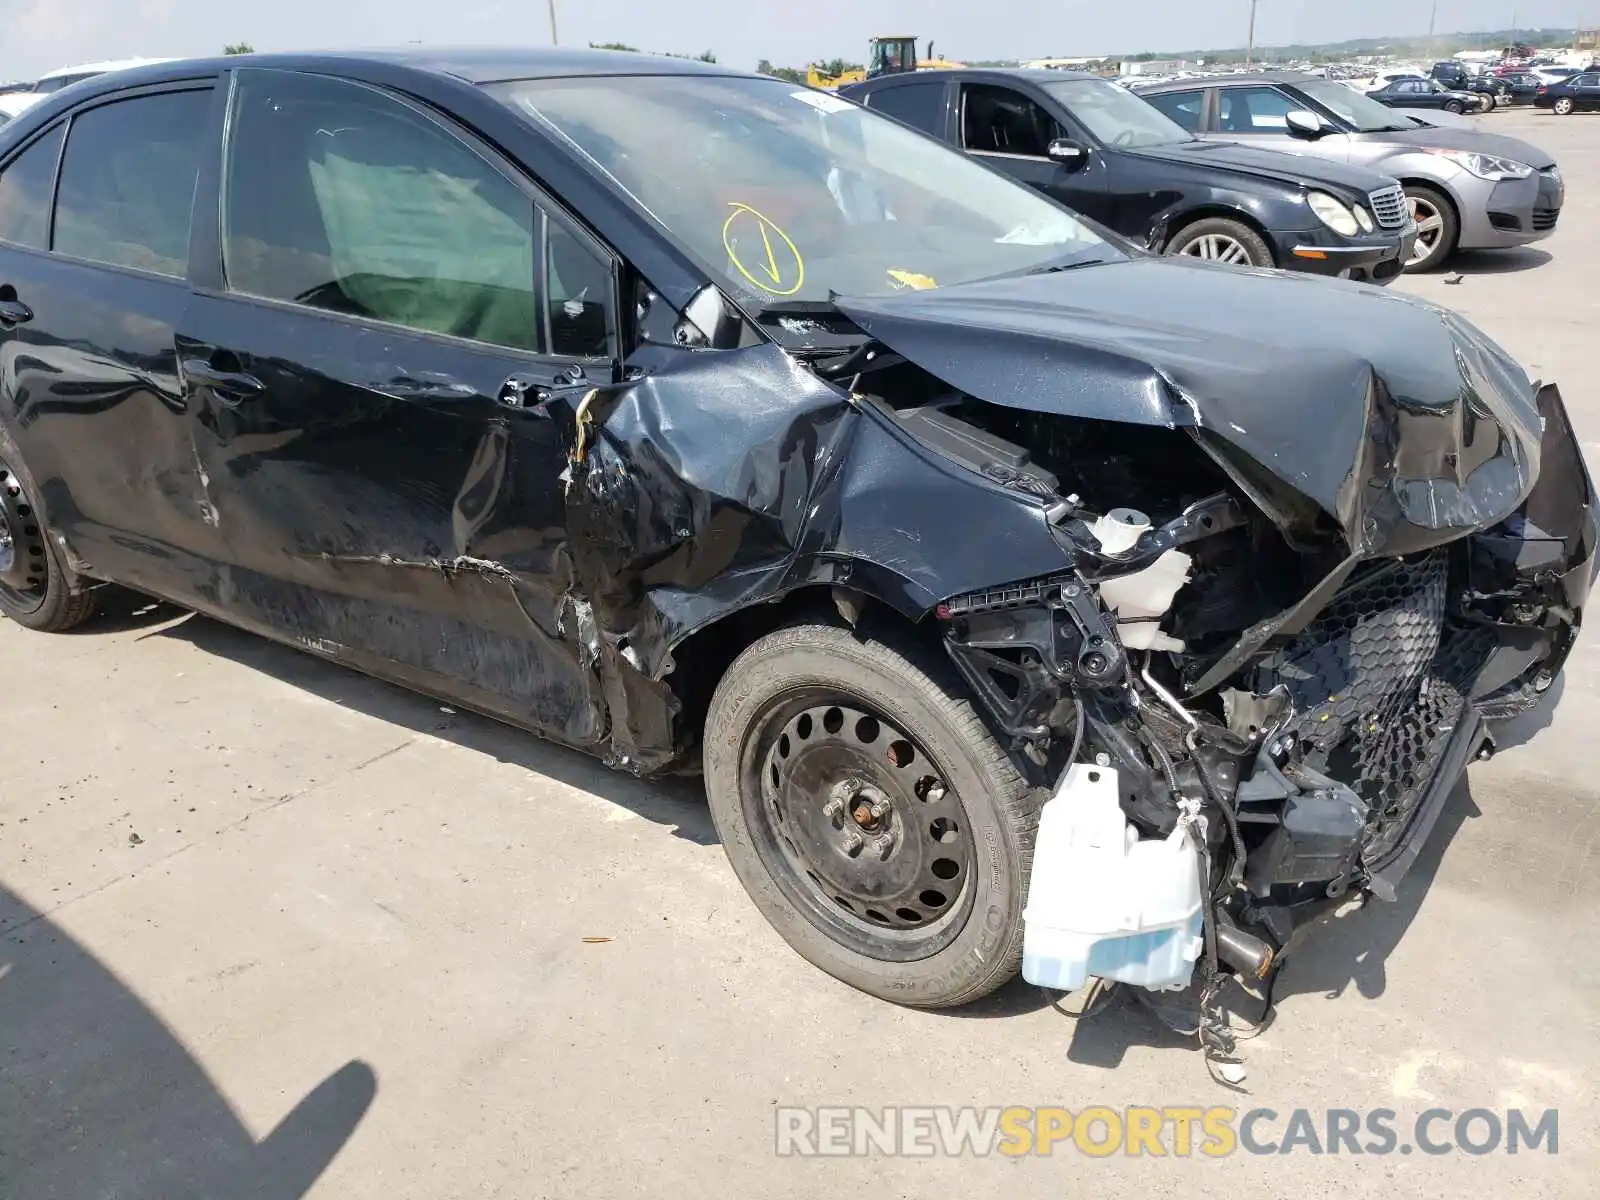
14 103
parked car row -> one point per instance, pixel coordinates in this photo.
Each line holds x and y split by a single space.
1467 189
1028 601
1109 155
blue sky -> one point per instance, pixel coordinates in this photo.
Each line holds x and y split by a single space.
40 35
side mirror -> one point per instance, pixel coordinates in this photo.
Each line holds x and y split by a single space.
709 321
1074 156
1303 124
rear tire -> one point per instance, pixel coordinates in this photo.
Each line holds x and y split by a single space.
1562 107
36 588
1221 240
776 757
1489 102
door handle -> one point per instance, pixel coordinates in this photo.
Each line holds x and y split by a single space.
231 388
14 312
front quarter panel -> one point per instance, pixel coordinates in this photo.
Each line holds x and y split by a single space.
729 479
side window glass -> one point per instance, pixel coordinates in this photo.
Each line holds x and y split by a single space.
127 181
1182 107
25 187
341 198
579 285
1254 110
997 120
919 105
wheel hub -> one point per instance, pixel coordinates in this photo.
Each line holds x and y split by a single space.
22 551
1217 247
863 815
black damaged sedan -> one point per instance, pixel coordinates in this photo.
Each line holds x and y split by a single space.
697 420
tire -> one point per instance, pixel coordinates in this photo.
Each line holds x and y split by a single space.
1454 106
1193 240
1442 244
37 591
1563 106
1489 102
975 946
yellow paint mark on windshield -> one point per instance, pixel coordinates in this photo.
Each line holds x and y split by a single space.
912 280
777 266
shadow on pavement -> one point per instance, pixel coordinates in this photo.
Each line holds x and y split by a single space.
1353 945
1497 262
676 803
100 1098
1325 957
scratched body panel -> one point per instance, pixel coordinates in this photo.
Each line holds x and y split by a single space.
378 505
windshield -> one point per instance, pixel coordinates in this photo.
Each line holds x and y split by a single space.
1115 116
794 195
1350 106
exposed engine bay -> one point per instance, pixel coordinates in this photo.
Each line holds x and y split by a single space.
1223 686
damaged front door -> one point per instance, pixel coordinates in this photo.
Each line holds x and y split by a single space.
369 399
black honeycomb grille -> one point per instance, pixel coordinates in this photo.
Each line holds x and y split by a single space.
1376 686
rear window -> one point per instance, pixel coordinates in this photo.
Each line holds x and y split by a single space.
127 181
25 187
1182 107
919 105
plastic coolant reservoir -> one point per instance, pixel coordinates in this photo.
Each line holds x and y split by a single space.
1102 901
1140 601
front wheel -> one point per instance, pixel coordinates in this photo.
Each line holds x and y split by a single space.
1453 106
872 818
1437 227
1222 240
1563 106
1489 102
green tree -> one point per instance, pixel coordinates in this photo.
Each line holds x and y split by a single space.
788 74
837 66
613 46
239 48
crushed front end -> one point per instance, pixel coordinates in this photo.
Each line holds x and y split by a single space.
1294 695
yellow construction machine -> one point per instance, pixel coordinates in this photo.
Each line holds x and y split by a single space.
885 56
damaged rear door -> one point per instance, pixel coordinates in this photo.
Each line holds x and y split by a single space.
369 383
95 289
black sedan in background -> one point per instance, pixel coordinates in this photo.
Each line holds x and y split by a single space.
1426 93
1576 93
1109 155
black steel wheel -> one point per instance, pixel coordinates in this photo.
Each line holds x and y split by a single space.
24 554
870 815
859 826
35 589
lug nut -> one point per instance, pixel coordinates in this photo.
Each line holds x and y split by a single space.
833 808
853 842
883 844
880 809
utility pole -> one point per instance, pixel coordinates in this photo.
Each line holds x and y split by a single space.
554 40
1250 44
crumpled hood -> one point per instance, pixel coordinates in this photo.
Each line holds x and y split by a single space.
1292 170
1441 138
1397 417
